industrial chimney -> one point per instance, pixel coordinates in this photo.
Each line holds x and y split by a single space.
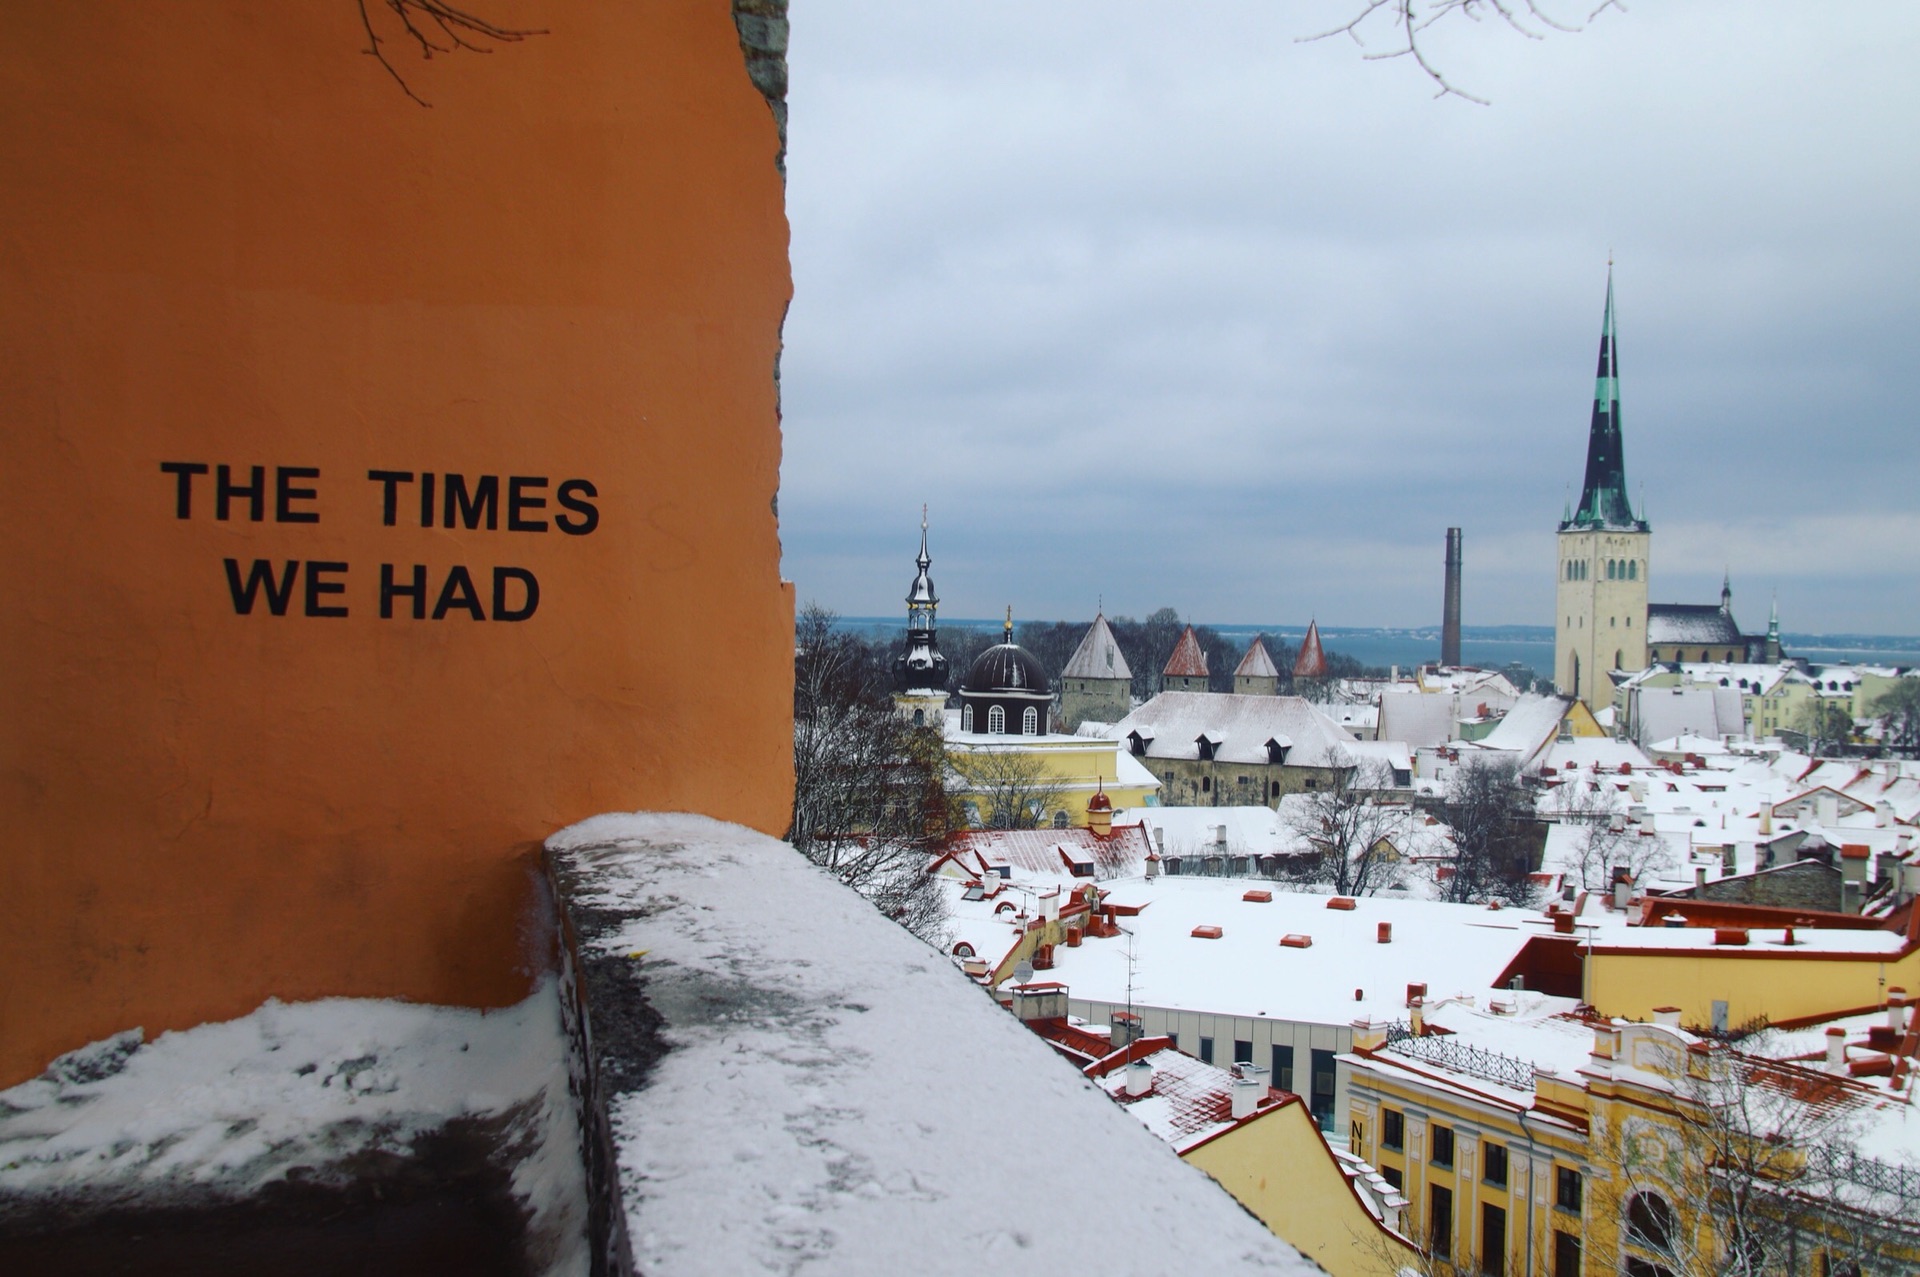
1450 618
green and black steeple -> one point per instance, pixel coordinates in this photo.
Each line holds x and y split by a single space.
1603 498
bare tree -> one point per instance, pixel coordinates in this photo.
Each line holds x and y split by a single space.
1827 725
1897 711
1007 788
1350 828
1604 840
869 793
1492 818
1755 1169
1408 22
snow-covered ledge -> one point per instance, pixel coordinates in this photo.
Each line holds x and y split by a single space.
808 1086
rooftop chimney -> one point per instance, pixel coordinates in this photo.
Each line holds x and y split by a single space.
1123 1029
1384 933
1417 1014
1139 1078
1247 1094
1667 1017
1836 1048
1450 609
1897 1010
1699 877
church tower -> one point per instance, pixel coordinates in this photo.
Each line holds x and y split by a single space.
1600 622
920 672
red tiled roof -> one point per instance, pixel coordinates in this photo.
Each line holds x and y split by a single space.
1312 661
1188 661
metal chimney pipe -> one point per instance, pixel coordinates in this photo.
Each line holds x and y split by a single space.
1450 615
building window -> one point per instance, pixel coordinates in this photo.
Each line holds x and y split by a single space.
1496 1164
919 718
1393 1129
1273 790
1650 1221
966 719
1283 1067
996 721
1391 1174
1443 1145
1493 1240
1566 1254
1567 1189
1321 1102
1030 722
1638 1267
1206 784
1206 1050
1242 1052
1059 817
1440 1222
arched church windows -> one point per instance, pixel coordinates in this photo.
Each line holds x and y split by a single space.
1633 569
966 719
1030 722
996 721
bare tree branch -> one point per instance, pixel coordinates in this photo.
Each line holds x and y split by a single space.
454 24
1410 20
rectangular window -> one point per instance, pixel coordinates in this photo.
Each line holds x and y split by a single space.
1493 1240
1391 1174
1393 1129
1440 1222
1496 1160
1567 1189
1637 1267
1283 1067
1566 1254
1321 1103
1442 1145
1242 1052
1206 1050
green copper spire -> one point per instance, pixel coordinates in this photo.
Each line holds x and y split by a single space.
1603 497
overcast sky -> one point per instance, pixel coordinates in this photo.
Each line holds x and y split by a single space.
1152 301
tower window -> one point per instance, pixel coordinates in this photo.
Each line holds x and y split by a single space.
966 719
1030 722
1633 569
996 721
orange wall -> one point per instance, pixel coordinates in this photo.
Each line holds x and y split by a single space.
227 237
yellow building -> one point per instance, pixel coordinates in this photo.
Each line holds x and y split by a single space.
1263 1147
1531 1139
1048 779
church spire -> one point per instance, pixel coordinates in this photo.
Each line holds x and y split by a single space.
1603 497
921 666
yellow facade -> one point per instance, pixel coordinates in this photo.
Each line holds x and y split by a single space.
1581 723
1632 983
1067 770
1600 617
1279 1167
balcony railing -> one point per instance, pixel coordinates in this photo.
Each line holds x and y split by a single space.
1450 1053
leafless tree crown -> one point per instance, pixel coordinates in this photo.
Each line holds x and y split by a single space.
435 27
1410 20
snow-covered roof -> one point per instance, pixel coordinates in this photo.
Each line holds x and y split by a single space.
1171 723
1188 660
1257 663
1049 853
1098 655
1188 1101
1692 623
1247 971
1690 711
1419 721
1529 727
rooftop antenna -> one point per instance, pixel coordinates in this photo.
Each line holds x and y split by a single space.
1132 965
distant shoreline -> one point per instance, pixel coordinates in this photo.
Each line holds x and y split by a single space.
1489 646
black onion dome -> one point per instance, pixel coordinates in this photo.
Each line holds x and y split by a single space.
1006 667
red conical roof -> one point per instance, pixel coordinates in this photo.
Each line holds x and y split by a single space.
1312 661
1188 661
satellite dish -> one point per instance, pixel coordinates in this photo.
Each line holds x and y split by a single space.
1023 973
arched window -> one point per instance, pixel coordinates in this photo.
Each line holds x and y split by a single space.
1616 658
1706 655
996 721
963 950
1650 1221
966 719
1059 817
1613 569
1633 569
1030 722
919 718
1206 784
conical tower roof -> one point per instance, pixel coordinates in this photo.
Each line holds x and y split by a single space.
1188 661
1098 655
1312 661
1603 496
1257 663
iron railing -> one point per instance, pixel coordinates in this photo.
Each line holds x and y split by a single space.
1845 1166
1445 1051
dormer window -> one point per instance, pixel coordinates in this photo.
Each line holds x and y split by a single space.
1209 746
1277 752
1137 744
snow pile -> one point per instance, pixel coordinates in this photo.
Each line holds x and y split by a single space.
300 1091
836 1094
